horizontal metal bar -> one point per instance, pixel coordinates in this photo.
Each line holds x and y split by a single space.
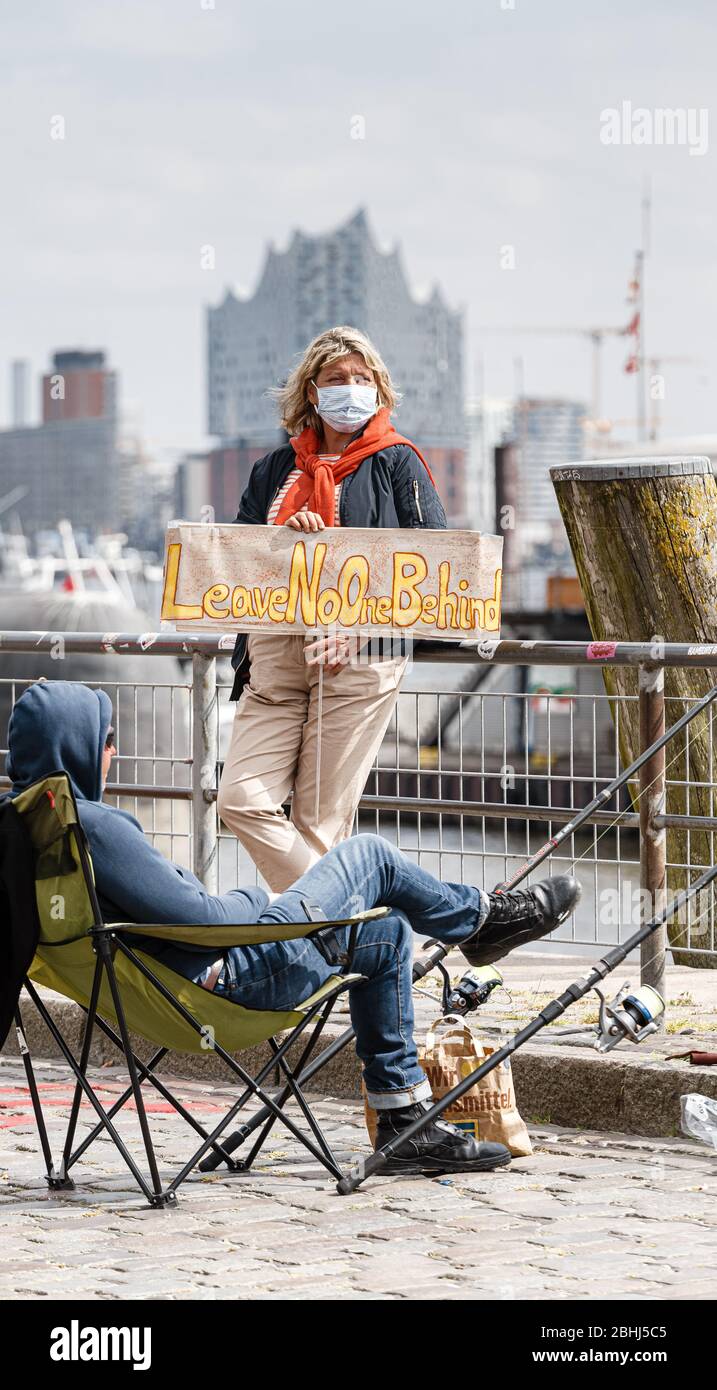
508 652
491 810
479 772
154 792
675 822
498 810
406 804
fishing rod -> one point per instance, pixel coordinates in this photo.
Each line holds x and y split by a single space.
633 1027
434 952
607 792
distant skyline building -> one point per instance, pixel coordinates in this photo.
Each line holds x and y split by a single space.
69 466
489 422
547 431
340 277
19 392
79 387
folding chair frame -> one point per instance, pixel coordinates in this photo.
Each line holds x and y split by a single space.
59 1177
106 941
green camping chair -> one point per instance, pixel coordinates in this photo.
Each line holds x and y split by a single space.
123 990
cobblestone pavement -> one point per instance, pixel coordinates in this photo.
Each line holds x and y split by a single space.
589 1216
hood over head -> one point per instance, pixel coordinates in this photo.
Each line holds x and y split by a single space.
59 725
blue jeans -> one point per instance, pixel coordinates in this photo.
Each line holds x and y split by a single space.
364 871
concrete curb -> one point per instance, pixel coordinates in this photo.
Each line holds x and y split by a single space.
561 1083
622 1091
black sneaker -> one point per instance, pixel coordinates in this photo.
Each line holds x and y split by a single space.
439 1148
521 915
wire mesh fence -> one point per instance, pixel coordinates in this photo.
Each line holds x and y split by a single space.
470 780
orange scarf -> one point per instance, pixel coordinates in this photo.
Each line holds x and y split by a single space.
317 487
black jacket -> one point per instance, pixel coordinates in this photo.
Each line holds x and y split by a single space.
388 489
19 922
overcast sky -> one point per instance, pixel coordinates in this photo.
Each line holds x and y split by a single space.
187 126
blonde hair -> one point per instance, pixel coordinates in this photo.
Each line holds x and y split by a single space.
296 409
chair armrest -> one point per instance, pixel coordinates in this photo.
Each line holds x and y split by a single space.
245 934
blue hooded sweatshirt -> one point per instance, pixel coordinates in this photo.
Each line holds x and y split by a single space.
63 725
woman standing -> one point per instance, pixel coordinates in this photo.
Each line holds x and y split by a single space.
345 465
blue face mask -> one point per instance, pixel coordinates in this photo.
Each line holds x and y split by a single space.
347 408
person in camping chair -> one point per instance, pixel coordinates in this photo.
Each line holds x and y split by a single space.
60 725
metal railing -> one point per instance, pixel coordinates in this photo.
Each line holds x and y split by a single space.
469 780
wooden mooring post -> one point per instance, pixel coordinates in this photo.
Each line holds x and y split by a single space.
643 533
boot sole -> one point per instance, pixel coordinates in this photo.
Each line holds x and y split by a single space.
498 950
432 1166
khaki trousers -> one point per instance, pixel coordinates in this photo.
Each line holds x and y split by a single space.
274 746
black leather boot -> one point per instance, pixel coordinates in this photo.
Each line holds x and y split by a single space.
439 1148
521 915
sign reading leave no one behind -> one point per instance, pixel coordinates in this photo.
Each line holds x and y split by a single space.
274 579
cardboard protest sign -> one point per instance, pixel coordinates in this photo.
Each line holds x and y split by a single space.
444 584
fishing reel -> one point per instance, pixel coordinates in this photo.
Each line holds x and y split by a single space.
632 1014
472 989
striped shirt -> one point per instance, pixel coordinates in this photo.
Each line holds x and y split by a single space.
286 487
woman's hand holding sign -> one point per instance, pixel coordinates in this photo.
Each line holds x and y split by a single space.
335 651
332 651
306 521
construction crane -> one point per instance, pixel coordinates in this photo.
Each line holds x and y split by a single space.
654 365
595 336
654 368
